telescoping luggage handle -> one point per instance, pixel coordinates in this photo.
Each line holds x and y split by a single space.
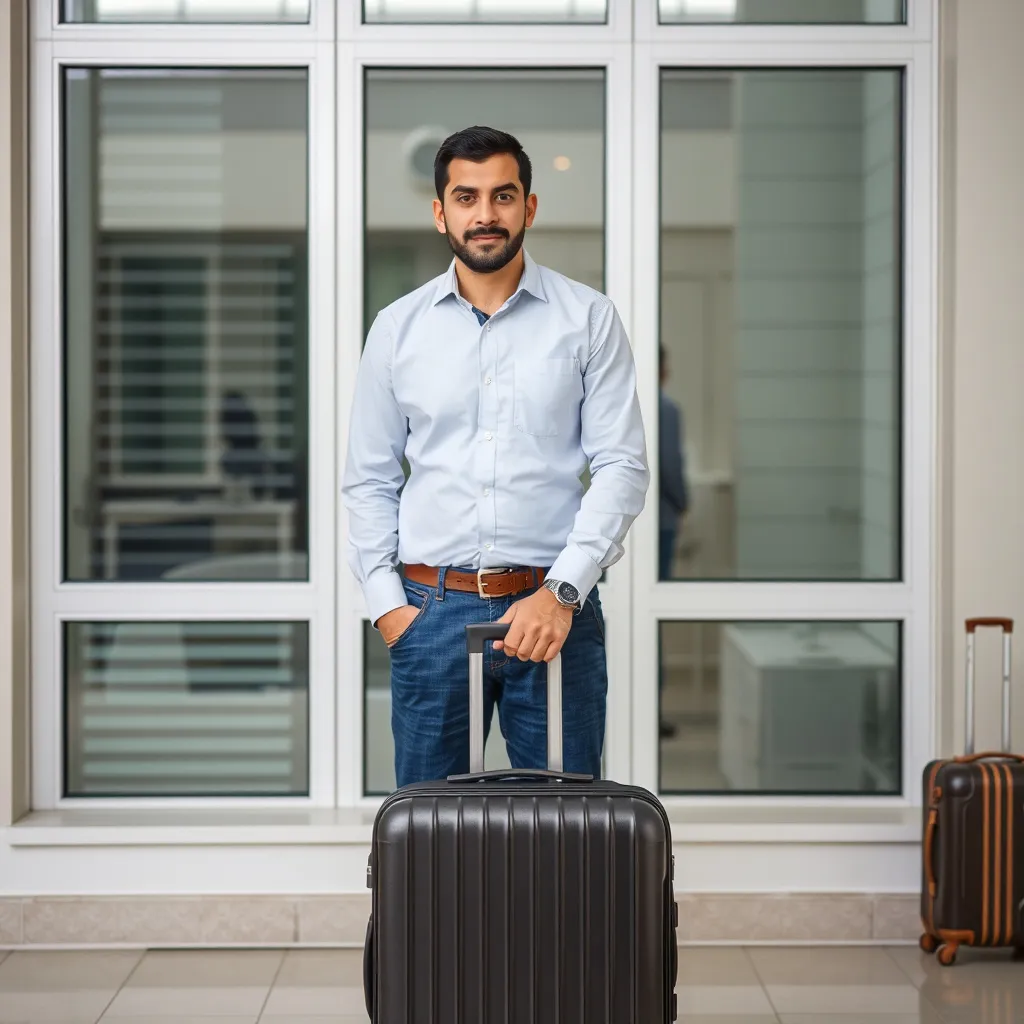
477 636
973 625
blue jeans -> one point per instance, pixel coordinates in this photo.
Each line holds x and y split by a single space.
430 688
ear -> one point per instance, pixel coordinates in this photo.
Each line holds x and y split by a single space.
439 221
531 209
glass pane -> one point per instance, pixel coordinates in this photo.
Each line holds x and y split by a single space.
169 11
782 12
378 744
779 424
185 325
781 708
493 11
558 116
186 708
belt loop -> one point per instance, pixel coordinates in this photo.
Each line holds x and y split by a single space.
441 572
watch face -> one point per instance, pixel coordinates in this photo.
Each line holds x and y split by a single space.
568 593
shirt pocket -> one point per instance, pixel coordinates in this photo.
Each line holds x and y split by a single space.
547 394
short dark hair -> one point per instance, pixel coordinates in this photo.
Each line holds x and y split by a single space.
477 144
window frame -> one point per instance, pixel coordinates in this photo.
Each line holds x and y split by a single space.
55 601
616 63
337 48
909 600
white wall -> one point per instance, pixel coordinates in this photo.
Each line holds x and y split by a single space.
984 356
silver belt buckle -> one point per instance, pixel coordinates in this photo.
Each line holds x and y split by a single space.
480 574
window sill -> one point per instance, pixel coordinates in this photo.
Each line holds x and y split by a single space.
353 826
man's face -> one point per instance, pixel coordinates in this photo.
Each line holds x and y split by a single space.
485 212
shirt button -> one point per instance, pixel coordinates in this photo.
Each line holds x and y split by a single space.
487 380
487 491
489 547
487 436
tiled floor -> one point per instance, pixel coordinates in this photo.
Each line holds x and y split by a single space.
716 986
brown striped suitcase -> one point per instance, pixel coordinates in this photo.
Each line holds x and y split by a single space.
973 853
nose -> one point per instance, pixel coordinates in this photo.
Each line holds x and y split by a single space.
485 211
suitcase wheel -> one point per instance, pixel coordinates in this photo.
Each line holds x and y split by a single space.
947 954
928 943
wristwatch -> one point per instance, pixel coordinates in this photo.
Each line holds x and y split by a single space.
566 594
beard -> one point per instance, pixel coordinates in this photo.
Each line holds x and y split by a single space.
500 254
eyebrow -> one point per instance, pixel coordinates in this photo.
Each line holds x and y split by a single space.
470 190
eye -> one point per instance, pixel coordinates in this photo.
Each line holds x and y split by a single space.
504 195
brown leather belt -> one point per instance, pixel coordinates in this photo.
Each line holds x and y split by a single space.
485 582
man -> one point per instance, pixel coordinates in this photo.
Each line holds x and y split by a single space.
498 382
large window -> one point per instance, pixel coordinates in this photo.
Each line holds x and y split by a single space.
225 194
187 708
781 708
185 324
781 329
779 411
559 117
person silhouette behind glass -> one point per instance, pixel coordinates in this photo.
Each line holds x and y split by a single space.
673 492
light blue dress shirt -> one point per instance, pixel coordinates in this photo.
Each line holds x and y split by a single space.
498 421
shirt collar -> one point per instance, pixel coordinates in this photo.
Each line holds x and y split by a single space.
531 282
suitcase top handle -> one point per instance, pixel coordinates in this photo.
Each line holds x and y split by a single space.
972 626
521 775
477 636
1006 625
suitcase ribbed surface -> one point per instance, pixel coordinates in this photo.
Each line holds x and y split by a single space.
523 907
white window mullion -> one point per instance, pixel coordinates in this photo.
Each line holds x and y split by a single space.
920 401
348 642
616 592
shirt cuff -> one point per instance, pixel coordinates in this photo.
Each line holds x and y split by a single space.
383 592
575 566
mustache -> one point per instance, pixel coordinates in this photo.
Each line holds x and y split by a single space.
477 232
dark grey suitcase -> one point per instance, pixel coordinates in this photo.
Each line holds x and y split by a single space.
520 897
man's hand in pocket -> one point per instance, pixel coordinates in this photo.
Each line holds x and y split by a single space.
395 622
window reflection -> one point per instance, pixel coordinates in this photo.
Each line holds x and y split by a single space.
780 12
187 709
780 707
558 116
780 325
224 11
469 11
185 320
